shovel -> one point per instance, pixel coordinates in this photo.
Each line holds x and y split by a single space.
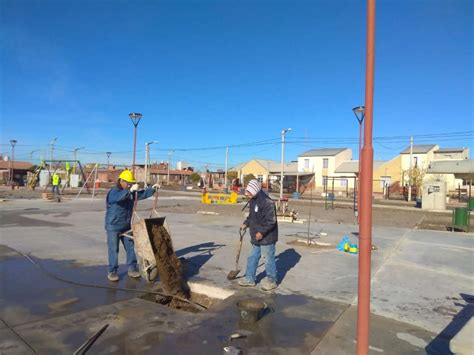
232 275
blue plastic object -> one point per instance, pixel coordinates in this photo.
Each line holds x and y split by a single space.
340 246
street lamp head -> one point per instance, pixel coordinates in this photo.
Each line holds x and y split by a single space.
359 112
152 142
135 117
108 153
284 130
13 142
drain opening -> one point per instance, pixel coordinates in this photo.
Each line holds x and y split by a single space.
196 298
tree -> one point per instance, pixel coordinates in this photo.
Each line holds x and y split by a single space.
247 178
416 176
232 175
195 177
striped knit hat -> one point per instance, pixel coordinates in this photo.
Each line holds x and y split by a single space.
253 187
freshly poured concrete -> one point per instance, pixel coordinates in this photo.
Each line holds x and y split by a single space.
418 277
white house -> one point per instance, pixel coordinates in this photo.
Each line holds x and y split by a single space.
323 163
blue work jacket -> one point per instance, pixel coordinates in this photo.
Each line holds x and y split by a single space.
118 214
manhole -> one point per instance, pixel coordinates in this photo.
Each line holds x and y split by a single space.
202 298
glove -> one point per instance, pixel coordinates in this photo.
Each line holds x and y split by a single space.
134 188
156 187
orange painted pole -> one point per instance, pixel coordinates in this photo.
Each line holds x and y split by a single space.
365 225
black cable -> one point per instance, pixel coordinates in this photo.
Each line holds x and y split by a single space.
41 268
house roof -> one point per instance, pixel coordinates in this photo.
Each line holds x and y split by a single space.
322 152
419 149
20 165
272 166
352 166
450 150
462 169
153 170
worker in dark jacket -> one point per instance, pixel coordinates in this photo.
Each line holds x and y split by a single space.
262 222
118 216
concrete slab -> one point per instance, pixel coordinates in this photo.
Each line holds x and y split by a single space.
386 337
10 343
295 323
28 294
416 274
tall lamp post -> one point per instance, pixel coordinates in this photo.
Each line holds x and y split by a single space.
135 117
283 131
147 158
75 158
31 154
12 171
359 112
365 215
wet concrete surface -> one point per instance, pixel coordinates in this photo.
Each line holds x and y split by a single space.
53 316
28 294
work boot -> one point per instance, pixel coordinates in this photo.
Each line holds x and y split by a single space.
269 284
246 283
133 273
112 276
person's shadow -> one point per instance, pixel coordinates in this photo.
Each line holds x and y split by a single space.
195 262
285 261
440 344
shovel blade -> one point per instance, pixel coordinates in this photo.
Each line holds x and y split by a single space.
232 274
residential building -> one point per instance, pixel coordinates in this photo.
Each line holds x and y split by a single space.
386 174
20 169
323 163
268 173
424 155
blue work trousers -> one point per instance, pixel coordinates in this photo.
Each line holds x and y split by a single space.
113 239
254 257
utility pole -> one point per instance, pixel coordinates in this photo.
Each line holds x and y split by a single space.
168 176
366 185
12 162
283 131
410 172
51 151
147 159
108 165
225 174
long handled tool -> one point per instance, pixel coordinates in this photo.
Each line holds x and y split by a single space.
232 275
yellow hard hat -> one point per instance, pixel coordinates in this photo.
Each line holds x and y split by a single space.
127 175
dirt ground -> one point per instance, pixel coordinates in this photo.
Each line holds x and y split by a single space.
385 213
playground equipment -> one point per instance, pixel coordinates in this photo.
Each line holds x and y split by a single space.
219 199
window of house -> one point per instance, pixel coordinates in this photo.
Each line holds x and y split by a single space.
343 182
325 163
415 161
385 181
306 163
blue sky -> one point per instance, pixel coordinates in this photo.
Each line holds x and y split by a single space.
216 73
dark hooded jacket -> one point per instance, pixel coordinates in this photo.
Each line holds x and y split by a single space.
262 218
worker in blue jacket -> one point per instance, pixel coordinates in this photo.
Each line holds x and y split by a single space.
263 225
118 216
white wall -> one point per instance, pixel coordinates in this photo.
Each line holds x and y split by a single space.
316 166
